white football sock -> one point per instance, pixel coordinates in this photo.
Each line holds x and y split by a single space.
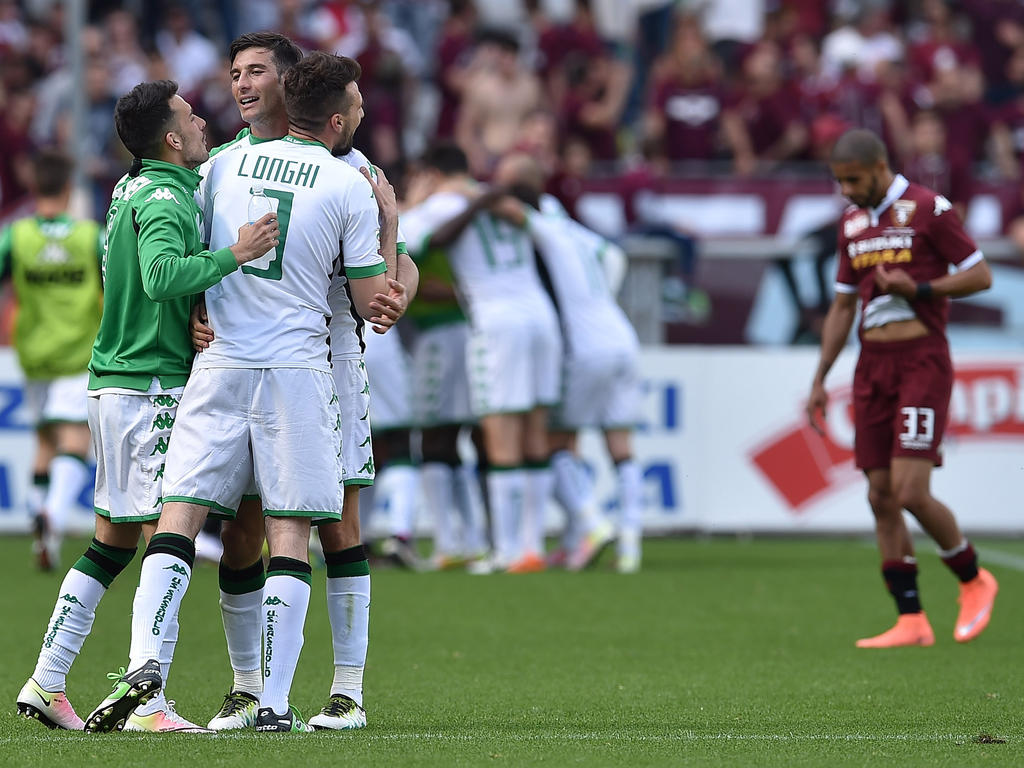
243 623
401 485
67 629
162 584
286 599
506 489
470 504
68 474
631 506
439 497
539 484
348 605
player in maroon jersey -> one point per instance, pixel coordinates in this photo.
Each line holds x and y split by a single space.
896 243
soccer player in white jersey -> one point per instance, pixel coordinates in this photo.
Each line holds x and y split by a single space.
601 383
261 403
259 62
514 353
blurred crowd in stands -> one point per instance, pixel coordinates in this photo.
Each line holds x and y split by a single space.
633 88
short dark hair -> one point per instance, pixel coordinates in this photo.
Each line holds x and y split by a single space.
283 51
314 89
142 115
446 157
51 172
500 38
861 146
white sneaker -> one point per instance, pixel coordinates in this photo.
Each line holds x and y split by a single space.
52 709
164 720
238 711
340 714
591 546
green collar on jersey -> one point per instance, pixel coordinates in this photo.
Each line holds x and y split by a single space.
246 133
297 140
187 178
60 218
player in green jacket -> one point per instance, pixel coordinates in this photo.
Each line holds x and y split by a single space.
153 265
53 263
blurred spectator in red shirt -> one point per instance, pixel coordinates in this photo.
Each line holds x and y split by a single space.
454 60
997 27
499 94
685 110
931 165
15 120
762 123
955 95
538 137
127 61
564 48
567 182
190 57
593 103
939 47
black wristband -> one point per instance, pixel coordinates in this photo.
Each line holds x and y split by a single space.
924 292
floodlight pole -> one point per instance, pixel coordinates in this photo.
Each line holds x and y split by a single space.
74 26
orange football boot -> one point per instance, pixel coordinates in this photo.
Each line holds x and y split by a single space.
910 629
531 562
976 599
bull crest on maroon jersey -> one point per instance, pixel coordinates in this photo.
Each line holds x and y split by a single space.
903 212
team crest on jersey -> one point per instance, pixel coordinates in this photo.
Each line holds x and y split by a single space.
855 224
903 212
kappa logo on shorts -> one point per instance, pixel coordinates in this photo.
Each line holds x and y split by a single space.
162 421
162 444
165 401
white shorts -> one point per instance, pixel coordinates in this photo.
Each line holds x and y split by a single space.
64 399
440 384
387 367
601 391
514 364
130 436
356 442
279 426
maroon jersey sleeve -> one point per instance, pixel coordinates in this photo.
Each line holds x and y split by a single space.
846 280
947 236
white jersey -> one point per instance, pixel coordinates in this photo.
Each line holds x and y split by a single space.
346 324
492 260
592 321
274 311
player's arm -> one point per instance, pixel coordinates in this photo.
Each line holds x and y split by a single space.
168 272
836 330
946 233
389 307
449 231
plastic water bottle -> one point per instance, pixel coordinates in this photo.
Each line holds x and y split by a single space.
259 204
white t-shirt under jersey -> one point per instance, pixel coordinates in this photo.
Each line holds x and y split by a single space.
274 312
592 320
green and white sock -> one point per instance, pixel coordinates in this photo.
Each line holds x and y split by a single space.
80 594
37 493
470 504
241 595
166 573
285 601
348 605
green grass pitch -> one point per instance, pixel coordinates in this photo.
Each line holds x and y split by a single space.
721 652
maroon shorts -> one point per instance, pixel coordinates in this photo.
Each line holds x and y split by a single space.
901 395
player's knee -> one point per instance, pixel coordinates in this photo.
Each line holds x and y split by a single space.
241 545
913 497
883 503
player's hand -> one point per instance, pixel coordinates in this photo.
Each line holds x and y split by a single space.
389 307
817 401
895 281
256 239
509 209
202 334
384 193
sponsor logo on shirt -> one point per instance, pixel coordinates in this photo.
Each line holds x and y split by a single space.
855 224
